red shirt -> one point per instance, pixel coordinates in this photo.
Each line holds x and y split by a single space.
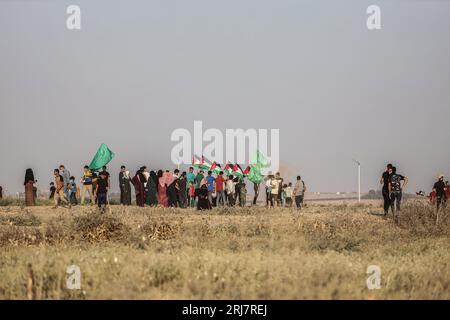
219 183
432 195
191 191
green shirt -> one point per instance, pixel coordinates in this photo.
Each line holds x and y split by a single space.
199 179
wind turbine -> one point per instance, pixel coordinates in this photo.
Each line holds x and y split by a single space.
359 179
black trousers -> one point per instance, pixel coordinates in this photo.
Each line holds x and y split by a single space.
387 200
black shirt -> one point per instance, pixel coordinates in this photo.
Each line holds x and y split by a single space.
106 173
386 177
439 186
102 185
142 178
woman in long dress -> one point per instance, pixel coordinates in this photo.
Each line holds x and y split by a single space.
171 189
203 201
125 188
182 190
152 196
29 188
139 190
162 189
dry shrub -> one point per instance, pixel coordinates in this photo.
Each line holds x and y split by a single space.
162 274
225 210
7 202
99 227
226 229
338 234
18 235
257 229
206 230
57 230
162 229
237 210
420 219
22 219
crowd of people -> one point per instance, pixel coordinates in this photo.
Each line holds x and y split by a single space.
201 189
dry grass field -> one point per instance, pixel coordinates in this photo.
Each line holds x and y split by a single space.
320 252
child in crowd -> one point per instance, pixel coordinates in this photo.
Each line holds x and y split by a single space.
288 193
72 191
191 194
52 190
101 191
283 195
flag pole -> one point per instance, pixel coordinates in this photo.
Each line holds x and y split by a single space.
359 179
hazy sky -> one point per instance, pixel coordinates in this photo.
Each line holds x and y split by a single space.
137 70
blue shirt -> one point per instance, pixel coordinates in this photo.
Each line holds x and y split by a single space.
210 182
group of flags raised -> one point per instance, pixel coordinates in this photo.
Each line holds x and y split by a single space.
228 169
253 171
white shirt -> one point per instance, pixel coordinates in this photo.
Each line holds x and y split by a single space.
288 191
230 186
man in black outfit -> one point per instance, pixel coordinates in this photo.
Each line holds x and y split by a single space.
439 188
385 191
102 191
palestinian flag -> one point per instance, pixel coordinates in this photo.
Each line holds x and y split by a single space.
200 164
227 169
237 171
247 170
196 161
215 168
206 165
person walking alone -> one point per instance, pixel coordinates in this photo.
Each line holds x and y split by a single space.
299 192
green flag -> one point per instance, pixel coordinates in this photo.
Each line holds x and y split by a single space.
101 158
255 175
